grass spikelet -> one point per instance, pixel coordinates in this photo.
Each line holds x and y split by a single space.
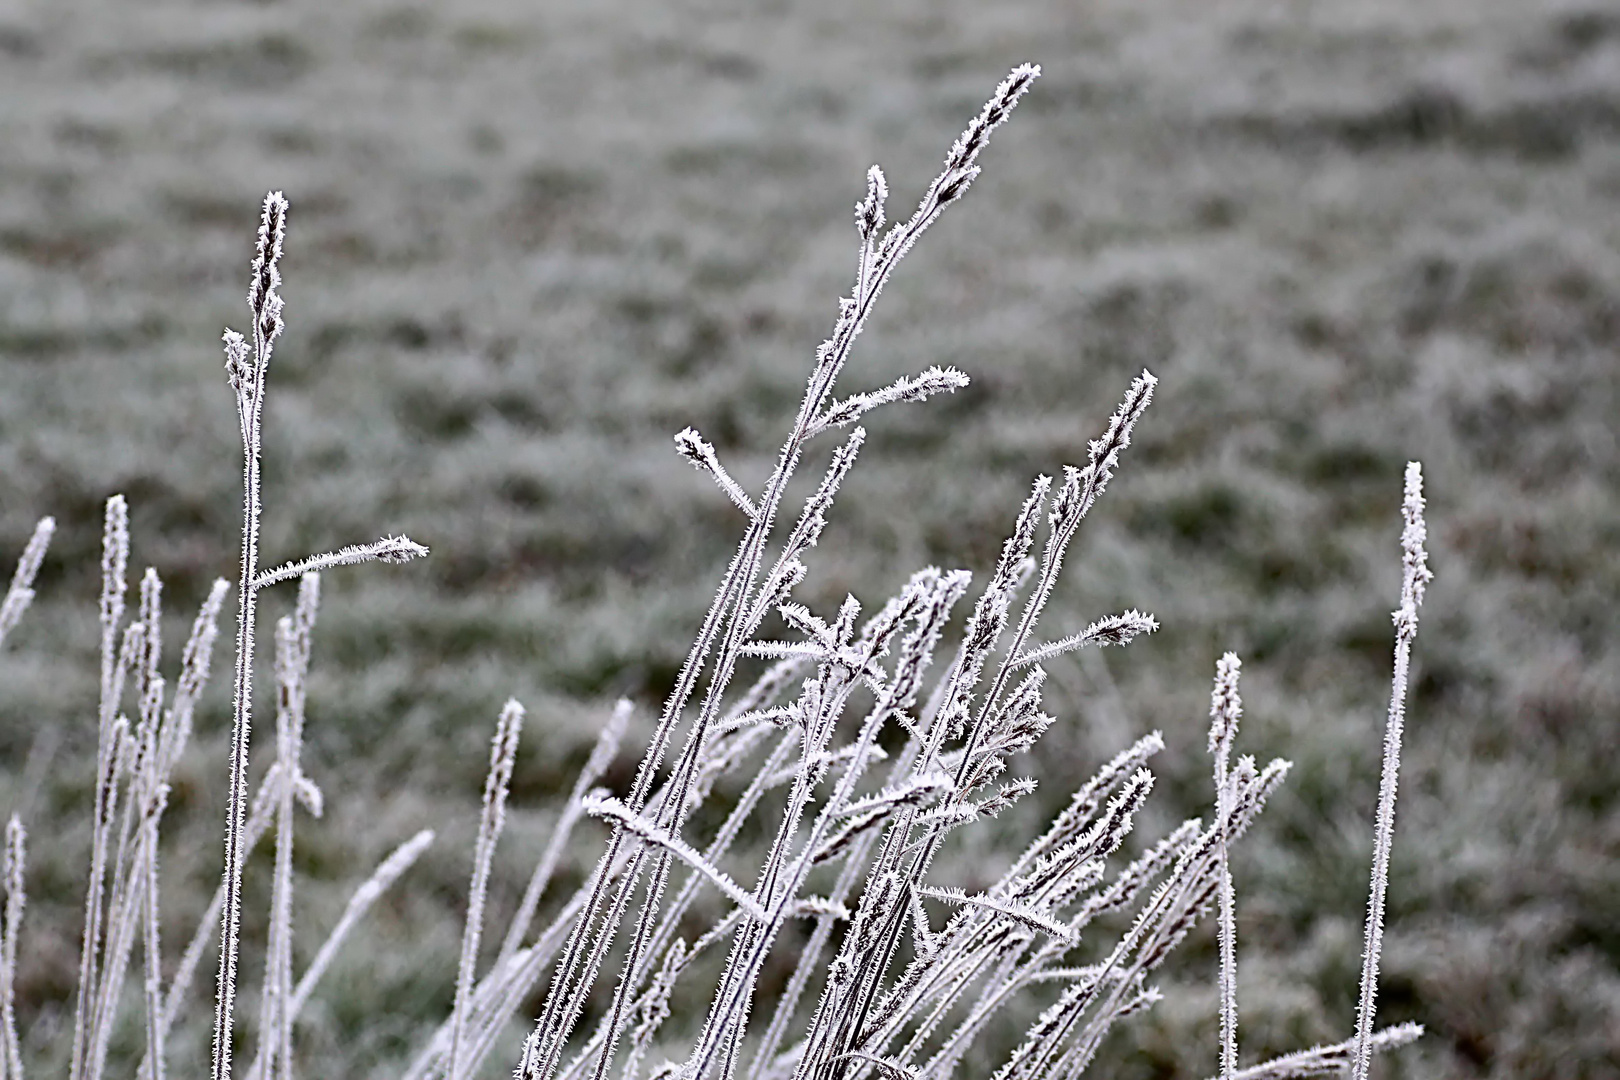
21 592
691 446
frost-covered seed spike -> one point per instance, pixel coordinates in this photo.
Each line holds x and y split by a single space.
21 592
1106 450
390 549
869 211
600 804
691 446
1225 709
1023 913
238 362
262 298
1119 629
503 750
1322 1060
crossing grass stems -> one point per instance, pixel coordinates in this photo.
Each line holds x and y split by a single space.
878 989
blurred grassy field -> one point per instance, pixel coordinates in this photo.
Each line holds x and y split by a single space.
529 242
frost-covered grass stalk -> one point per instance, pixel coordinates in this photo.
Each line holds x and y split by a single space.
246 368
1415 577
16 865
1225 709
902 969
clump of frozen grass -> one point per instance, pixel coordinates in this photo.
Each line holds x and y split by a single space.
855 830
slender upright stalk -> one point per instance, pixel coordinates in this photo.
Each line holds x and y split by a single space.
248 380
1415 577
502 758
16 861
114 563
1225 708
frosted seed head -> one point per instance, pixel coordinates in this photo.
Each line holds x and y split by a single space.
238 362
995 111
21 593
869 211
114 553
16 857
1067 500
1416 574
848 612
1106 450
1016 547
1121 629
397 549
607 743
956 185
262 299
1225 705
690 445
935 380
1008 794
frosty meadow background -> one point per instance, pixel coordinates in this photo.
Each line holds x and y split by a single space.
531 243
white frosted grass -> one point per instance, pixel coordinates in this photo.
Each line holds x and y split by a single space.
114 564
1225 709
1322 1060
503 750
1415 577
246 373
1119 629
290 785
606 806
732 619
16 864
804 740
370 891
21 592
691 446
390 549
921 387
602 755
246 366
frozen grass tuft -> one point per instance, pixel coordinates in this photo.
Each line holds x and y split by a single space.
861 744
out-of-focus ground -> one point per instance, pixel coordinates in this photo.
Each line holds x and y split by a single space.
529 242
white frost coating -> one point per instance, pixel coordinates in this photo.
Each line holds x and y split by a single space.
246 365
390 549
1119 629
1415 577
599 804
921 387
21 592
811 723
16 863
1225 709
247 379
114 564
602 755
366 895
691 446
503 750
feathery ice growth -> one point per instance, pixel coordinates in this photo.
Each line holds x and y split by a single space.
861 740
